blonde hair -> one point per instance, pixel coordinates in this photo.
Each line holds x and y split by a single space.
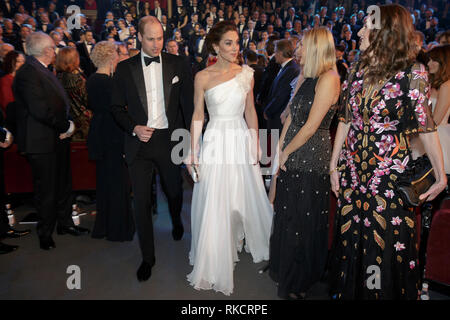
103 53
319 55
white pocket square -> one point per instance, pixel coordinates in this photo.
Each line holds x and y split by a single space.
175 79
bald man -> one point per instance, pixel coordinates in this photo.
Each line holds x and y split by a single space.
152 97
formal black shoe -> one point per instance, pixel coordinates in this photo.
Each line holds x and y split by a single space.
73 230
177 232
144 272
6 248
47 243
12 233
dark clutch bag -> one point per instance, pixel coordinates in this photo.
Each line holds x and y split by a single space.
416 180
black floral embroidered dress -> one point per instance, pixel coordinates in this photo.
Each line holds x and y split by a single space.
372 225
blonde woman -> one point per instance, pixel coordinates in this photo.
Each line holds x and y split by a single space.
114 220
298 244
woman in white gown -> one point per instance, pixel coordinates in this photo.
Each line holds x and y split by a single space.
229 202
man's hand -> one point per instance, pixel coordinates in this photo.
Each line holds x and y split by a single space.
144 133
69 132
8 141
199 59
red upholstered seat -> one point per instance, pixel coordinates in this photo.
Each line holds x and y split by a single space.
438 249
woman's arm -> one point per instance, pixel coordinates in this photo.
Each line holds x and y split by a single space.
252 123
341 134
433 149
185 21
326 94
442 103
198 117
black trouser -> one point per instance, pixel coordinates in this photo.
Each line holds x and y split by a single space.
4 223
155 153
52 183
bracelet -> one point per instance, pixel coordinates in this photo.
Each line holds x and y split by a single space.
335 169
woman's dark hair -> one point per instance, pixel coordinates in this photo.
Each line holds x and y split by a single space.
392 47
9 62
440 54
217 31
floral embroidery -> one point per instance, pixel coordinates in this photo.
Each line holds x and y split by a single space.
389 194
412 264
413 94
391 91
356 218
366 222
400 166
356 86
421 73
386 144
380 209
396 221
344 85
363 189
399 246
386 125
400 75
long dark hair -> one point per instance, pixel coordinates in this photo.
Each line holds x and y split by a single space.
392 47
9 62
440 54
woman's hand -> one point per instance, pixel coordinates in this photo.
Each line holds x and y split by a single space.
334 179
434 190
191 161
283 158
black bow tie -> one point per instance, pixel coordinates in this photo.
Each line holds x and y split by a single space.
149 60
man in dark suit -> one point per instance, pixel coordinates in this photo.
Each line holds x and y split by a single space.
251 59
245 40
167 29
253 35
270 72
85 48
7 8
153 96
280 92
43 134
44 23
242 24
25 30
200 52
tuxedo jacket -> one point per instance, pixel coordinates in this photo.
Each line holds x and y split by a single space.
7 13
270 73
129 100
41 108
85 60
280 92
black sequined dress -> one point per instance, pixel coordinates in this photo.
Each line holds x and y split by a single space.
298 244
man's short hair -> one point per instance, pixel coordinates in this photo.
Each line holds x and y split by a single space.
285 47
37 42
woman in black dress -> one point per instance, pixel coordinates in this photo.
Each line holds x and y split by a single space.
385 100
114 219
298 245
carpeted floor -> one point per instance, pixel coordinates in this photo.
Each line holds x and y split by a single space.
108 269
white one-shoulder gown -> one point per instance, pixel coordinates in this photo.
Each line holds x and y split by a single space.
229 203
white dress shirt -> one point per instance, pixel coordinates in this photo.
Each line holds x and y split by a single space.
123 34
201 42
155 94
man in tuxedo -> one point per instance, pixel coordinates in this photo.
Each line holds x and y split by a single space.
251 59
7 8
76 33
245 40
270 72
280 91
43 135
323 16
209 24
158 12
261 25
252 33
200 52
167 29
44 23
242 25
85 48
152 96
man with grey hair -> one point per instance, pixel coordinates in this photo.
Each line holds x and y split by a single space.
43 135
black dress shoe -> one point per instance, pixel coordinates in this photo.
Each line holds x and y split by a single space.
47 243
177 232
12 233
144 272
6 248
72 230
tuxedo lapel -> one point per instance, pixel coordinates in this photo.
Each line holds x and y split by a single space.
167 72
138 77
